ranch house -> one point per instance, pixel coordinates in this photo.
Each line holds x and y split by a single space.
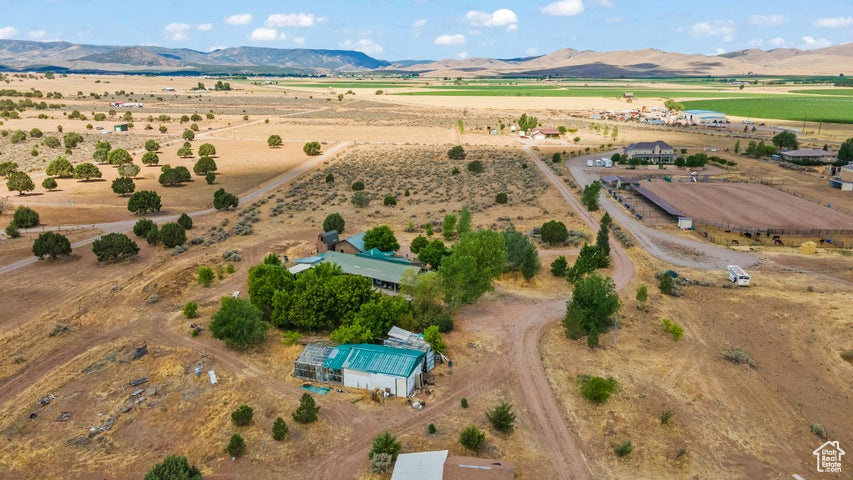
654 152
808 155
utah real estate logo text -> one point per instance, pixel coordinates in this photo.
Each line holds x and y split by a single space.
829 457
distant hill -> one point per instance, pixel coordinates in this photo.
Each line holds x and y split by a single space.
71 57
23 54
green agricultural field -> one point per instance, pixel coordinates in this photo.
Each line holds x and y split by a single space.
549 91
382 85
833 110
844 92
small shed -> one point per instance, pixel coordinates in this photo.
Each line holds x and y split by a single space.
400 338
120 127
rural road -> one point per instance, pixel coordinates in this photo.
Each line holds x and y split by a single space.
126 225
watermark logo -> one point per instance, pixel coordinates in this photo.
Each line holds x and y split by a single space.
829 457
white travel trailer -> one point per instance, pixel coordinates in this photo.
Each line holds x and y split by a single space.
738 276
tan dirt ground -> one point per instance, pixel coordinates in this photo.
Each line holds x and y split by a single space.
744 423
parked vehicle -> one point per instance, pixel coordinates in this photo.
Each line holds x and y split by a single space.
589 163
738 276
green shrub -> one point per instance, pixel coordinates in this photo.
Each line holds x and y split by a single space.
464 403
819 431
502 417
431 429
738 357
307 411
291 337
236 446
385 443
666 416
597 389
190 309
472 438
358 185
501 198
242 416
205 276
559 266
673 329
623 449
279 429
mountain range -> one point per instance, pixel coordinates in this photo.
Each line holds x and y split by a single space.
19 55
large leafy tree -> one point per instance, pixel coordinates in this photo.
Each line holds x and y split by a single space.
223 200
174 468
372 320
204 164
312 148
113 247
432 253
589 258
239 324
264 281
144 201
119 156
20 182
456 153
25 217
592 307
527 122
123 186
381 237
334 221
6 168
464 224
60 167
845 152
274 141
206 150
172 235
320 299
51 244
522 255
590 196
786 139
150 158
129 170
151 146
459 277
87 171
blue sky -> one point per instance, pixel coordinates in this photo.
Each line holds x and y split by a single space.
432 29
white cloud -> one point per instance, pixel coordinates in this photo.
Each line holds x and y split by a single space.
448 39
8 32
836 22
365 45
299 40
264 34
204 27
718 51
532 51
563 8
498 18
293 20
217 47
767 20
810 42
37 34
239 19
717 28
419 23
462 55
177 31
604 3
777 42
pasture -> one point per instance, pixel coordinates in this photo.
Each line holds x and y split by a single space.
831 110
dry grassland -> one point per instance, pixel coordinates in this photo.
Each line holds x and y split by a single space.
729 420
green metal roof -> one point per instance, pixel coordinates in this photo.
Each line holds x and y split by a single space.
398 362
368 267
